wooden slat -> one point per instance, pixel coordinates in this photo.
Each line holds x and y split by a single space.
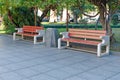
81 41
87 37
78 36
83 30
85 33
29 34
31 29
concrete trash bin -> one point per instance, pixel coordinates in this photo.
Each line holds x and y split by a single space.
51 37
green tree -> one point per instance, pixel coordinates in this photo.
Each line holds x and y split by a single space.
106 9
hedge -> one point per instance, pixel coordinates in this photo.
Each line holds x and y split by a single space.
77 26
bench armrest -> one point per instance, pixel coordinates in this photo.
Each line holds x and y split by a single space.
65 34
105 40
19 29
41 32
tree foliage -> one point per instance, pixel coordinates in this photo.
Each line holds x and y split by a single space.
106 8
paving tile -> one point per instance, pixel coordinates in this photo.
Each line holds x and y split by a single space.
59 74
26 72
3 70
20 65
53 65
75 78
115 77
89 76
25 79
43 77
80 66
111 68
15 59
4 62
115 64
13 66
40 68
101 74
11 76
93 62
71 70
36 61
25 57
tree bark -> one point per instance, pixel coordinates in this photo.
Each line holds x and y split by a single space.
46 10
102 17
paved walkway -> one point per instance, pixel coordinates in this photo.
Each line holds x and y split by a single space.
21 60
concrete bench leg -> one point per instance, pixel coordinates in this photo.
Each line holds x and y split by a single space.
14 36
99 50
43 39
22 36
59 43
68 43
107 49
99 53
35 40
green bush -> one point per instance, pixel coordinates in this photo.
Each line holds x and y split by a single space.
115 20
20 16
70 26
76 26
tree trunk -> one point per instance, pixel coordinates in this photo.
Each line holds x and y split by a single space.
46 10
35 15
105 21
102 17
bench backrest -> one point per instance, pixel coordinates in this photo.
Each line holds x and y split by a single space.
87 34
32 29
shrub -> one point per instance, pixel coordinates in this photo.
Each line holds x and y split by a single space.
115 20
20 16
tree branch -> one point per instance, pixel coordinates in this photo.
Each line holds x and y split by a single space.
90 15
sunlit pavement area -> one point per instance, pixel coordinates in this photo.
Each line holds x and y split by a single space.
22 60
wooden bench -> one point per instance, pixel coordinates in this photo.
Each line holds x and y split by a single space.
31 31
88 37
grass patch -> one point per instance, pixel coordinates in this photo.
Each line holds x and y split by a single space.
116 32
2 31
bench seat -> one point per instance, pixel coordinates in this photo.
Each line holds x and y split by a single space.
89 37
26 34
89 42
31 31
